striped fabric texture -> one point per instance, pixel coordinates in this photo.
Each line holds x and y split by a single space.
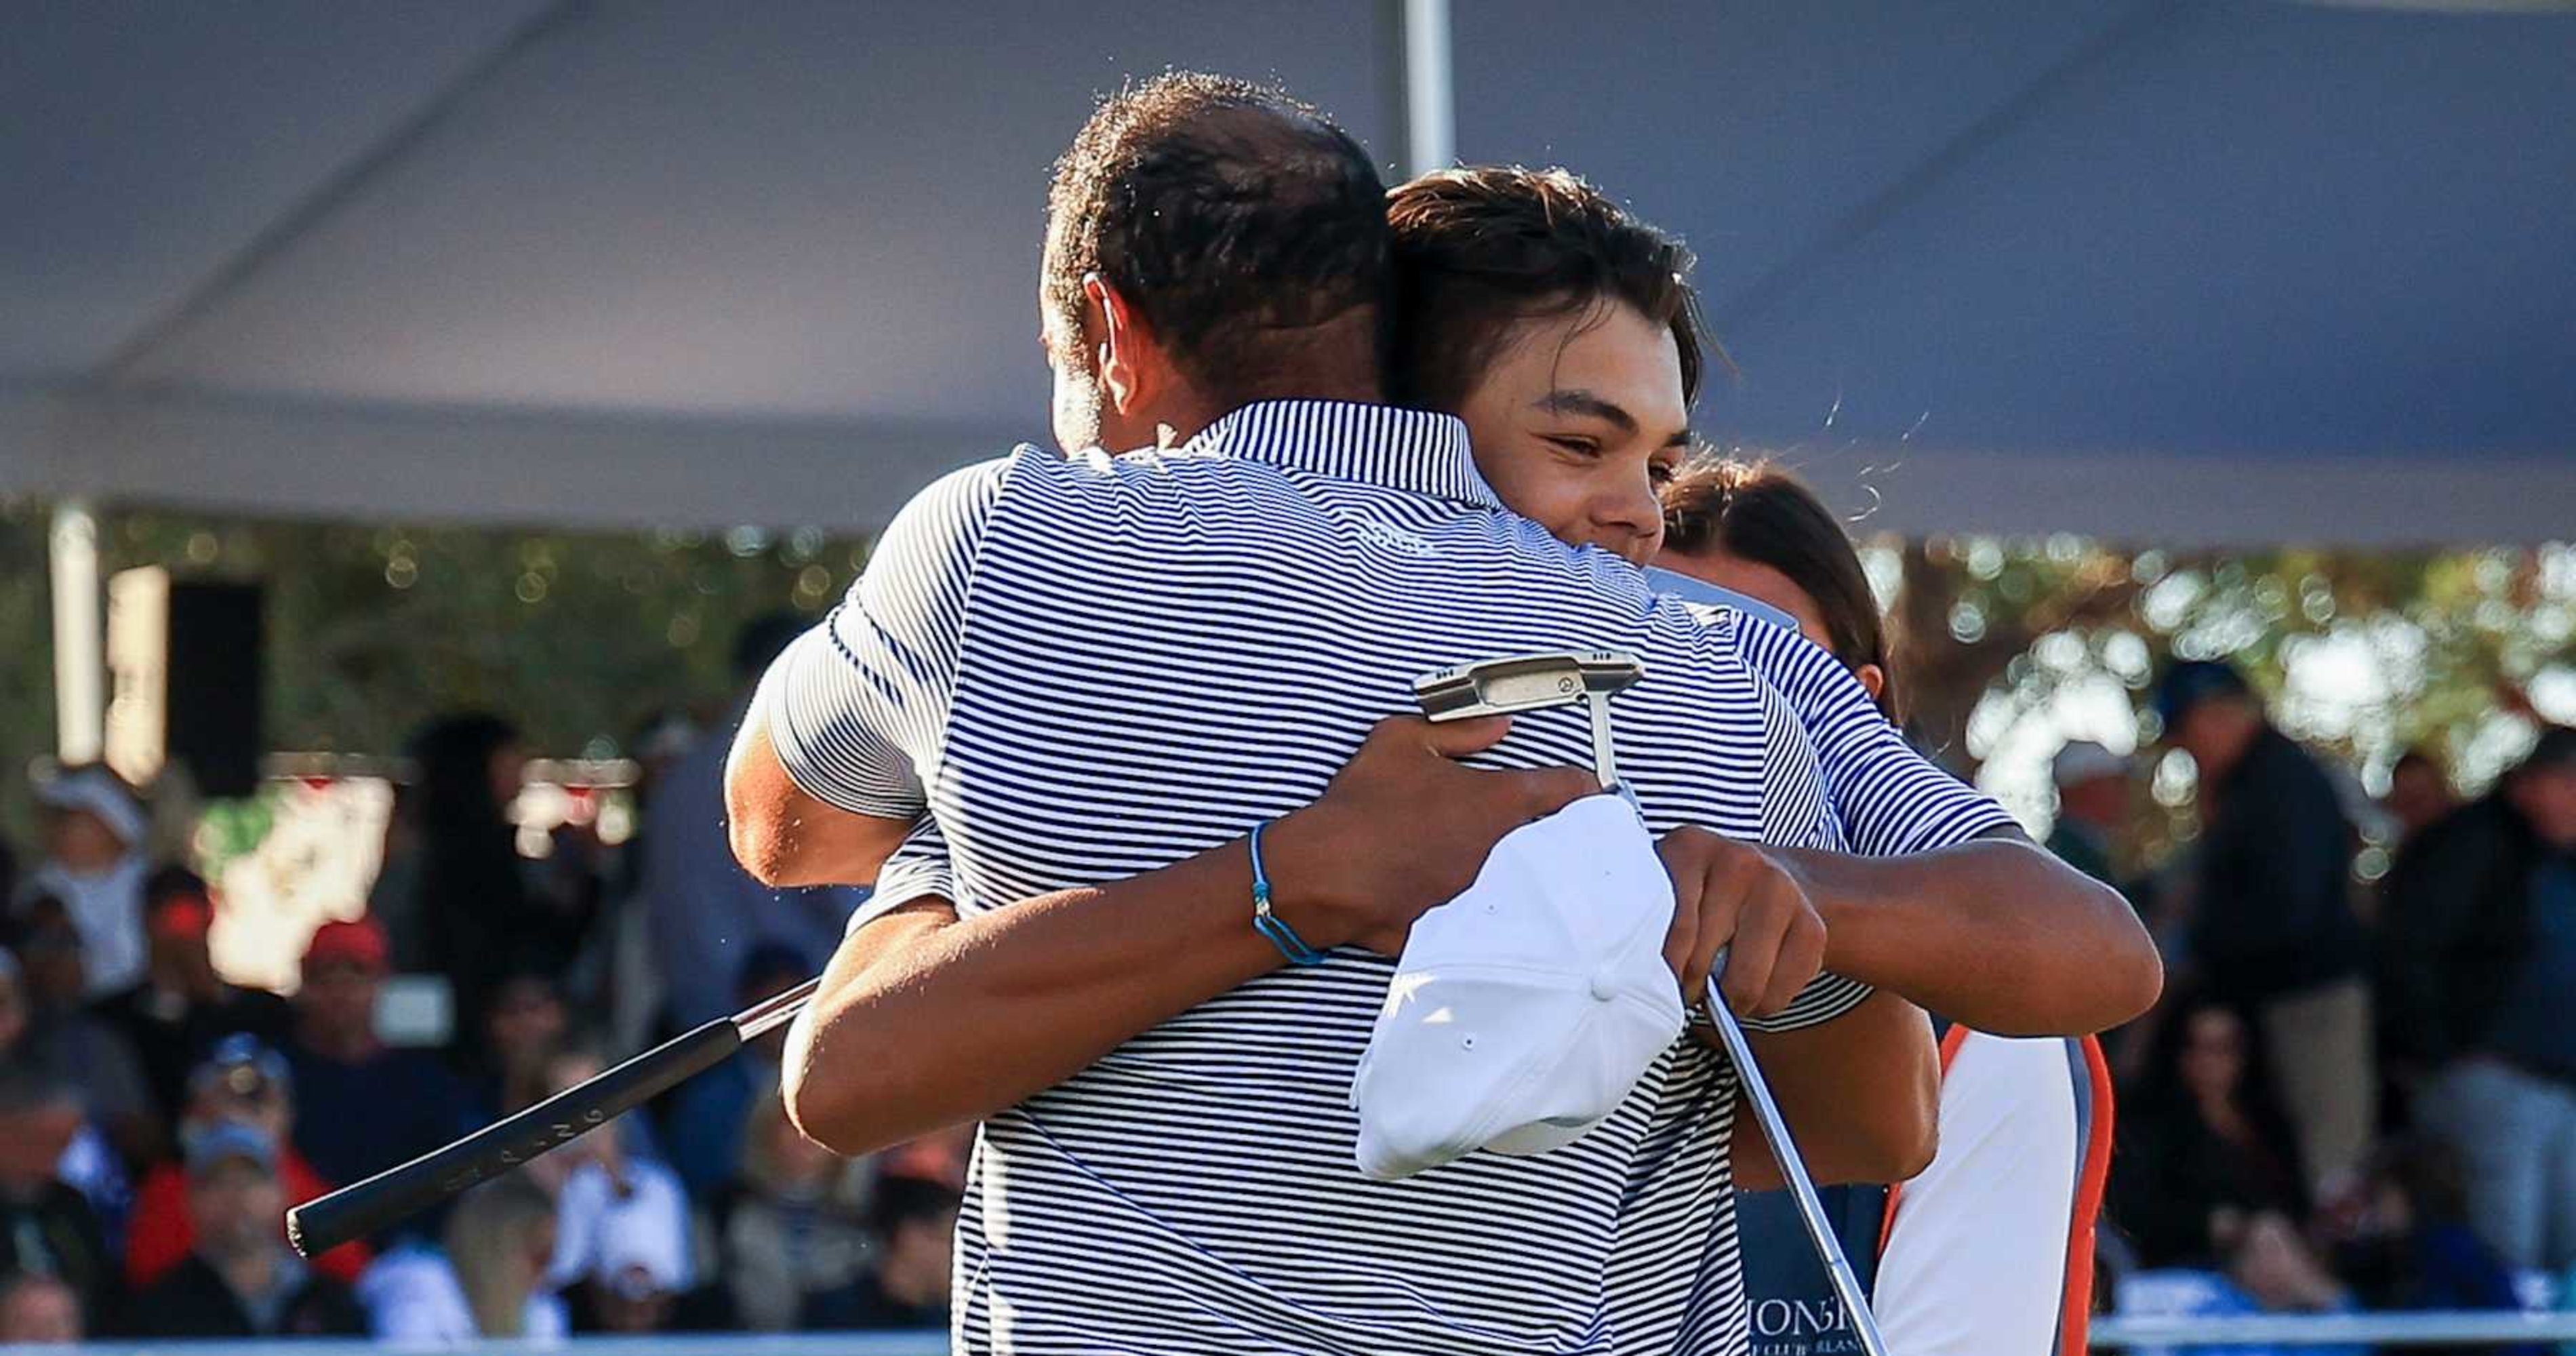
1086 668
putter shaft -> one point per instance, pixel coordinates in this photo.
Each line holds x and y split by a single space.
1793 1166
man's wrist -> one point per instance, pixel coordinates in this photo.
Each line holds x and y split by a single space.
1297 850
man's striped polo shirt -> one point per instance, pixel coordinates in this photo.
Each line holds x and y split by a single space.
1087 668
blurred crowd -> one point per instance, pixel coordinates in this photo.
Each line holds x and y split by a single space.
156 1121
2356 1094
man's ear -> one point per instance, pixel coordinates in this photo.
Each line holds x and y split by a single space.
1873 680
1128 360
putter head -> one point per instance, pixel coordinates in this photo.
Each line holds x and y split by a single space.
1523 683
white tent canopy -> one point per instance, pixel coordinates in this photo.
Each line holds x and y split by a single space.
2230 271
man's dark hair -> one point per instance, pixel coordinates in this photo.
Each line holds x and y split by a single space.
1478 251
1754 510
1244 228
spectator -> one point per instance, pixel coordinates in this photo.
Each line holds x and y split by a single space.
2092 807
914 1222
638 991
798 1229
606 1191
241 1280
87 1163
707 1117
38 1309
182 1007
940 1156
95 866
523 1031
2415 1249
480 917
635 1286
2419 793
502 1241
705 912
411 1296
394 900
487 1281
2201 1144
81 1047
2273 932
359 1106
2481 959
242 1083
46 1227
2270 1270
2272 1261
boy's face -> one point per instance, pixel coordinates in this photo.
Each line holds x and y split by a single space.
1579 421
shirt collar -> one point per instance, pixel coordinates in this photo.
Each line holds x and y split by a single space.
1411 450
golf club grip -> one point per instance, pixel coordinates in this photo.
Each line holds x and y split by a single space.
355 1211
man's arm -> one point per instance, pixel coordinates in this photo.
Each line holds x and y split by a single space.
1861 1095
1858 1083
925 1019
1974 932
823 780
1974 922
1995 934
786 837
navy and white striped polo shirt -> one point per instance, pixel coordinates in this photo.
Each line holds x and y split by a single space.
1092 667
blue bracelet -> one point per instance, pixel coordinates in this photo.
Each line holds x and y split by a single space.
1269 924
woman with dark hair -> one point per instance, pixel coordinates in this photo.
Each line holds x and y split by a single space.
2205 1146
1752 527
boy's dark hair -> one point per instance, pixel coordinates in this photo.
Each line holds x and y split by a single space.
1756 511
1239 223
1478 251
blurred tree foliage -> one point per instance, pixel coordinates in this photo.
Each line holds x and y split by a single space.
579 638
2363 655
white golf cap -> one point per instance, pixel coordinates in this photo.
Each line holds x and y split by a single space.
99 792
1524 1010
2082 760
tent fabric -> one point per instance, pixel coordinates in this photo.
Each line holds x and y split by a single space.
2172 271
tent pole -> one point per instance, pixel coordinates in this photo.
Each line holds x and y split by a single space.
1430 104
80 640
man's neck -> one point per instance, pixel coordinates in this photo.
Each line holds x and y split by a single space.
1184 415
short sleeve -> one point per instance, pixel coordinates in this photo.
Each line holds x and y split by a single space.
858 707
1825 998
919 869
1890 799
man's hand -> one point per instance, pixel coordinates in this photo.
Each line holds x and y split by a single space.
925 1019
1737 897
1403 829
